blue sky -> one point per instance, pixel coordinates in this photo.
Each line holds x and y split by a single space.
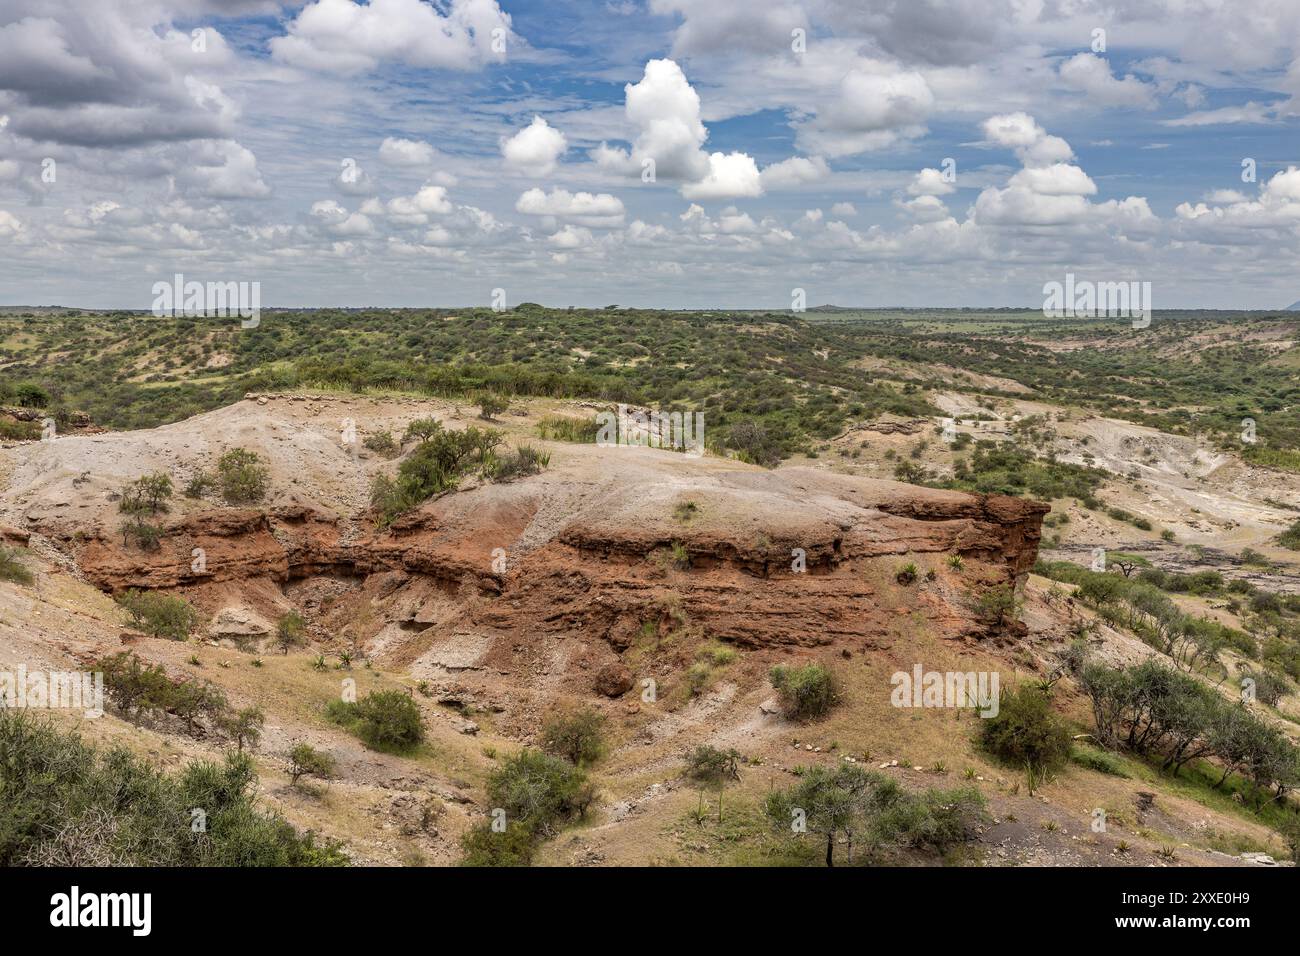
407 153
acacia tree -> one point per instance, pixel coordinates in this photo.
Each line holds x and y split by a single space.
825 802
574 735
245 726
289 631
711 767
305 760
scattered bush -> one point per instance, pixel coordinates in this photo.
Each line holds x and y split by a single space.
384 719
522 462
148 493
806 693
997 605
306 761
1290 538
1270 686
160 615
1025 732
875 813
490 405
539 791
203 483
382 443
710 767
290 631
242 476
435 466
574 735
244 726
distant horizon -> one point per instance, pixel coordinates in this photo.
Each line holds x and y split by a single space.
666 151
1294 307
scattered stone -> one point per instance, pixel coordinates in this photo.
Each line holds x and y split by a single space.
614 680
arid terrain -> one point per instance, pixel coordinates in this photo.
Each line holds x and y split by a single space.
660 590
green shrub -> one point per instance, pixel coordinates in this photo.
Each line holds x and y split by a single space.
575 735
147 493
522 462
244 726
290 631
137 688
145 536
483 846
435 466
997 604
873 813
30 395
806 693
1025 732
1290 538
384 719
203 483
422 429
68 804
710 767
1270 686
698 678
490 405
719 655
242 476
539 791
382 443
160 615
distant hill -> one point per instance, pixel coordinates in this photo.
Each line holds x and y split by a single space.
1293 307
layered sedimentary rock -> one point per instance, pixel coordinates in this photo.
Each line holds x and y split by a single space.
784 576
605 544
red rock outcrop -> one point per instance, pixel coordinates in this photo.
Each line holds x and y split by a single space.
803 580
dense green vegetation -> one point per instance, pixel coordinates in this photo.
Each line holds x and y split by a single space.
532 795
873 813
1141 603
387 720
806 692
1026 733
802 377
1173 718
65 803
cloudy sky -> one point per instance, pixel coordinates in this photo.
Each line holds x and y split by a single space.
677 153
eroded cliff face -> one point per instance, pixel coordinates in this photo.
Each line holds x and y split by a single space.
573 567
788 580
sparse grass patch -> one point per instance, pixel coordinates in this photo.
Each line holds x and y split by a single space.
12 567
